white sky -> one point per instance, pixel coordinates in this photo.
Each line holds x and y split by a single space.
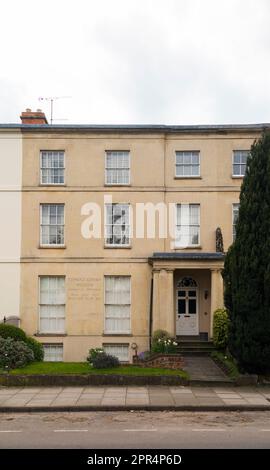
137 61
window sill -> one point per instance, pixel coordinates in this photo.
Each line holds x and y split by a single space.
121 247
237 177
116 184
51 335
41 185
117 334
188 178
190 247
58 247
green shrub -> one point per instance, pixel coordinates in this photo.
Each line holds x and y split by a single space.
36 347
11 331
14 354
93 353
160 334
104 361
220 328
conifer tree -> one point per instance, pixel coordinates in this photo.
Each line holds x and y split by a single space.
247 266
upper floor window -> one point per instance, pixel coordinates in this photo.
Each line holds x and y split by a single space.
52 304
52 224
235 213
52 167
187 164
117 167
240 162
117 228
187 225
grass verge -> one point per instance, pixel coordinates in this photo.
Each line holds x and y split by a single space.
62 368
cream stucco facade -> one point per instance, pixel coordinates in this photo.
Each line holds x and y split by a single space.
157 269
10 214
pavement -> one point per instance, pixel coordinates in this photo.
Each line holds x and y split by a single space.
152 398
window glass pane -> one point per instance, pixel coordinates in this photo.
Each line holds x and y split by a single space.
195 158
179 158
236 170
181 306
192 306
192 293
182 293
237 157
195 171
187 158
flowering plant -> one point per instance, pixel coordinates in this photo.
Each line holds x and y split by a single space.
164 345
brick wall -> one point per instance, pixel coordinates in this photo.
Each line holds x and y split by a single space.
166 361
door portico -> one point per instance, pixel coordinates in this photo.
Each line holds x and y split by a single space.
187 289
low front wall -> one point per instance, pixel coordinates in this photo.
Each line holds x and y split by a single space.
78 380
166 361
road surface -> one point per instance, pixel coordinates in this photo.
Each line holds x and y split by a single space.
145 430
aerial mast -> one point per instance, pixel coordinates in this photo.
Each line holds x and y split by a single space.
51 99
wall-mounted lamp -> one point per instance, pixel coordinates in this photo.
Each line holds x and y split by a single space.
134 346
206 294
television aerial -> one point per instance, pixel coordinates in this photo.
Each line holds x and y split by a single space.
52 99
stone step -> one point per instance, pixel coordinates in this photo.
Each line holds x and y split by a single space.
195 353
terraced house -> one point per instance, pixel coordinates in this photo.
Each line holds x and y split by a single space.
114 233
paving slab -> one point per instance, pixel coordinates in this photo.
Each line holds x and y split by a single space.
91 398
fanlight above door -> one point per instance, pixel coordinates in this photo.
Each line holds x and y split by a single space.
187 282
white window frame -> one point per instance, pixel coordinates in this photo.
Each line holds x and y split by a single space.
57 168
60 305
239 164
127 227
234 224
115 332
59 346
107 346
52 245
116 168
190 152
177 244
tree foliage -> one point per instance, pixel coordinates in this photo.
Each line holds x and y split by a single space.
247 266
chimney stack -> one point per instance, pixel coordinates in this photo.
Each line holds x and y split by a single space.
33 117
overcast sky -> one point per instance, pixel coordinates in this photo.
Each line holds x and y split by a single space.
137 61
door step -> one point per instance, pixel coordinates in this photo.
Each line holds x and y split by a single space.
195 347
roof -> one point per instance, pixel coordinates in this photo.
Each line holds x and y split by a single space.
187 256
139 128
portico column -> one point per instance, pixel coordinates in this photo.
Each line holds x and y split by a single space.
217 300
163 301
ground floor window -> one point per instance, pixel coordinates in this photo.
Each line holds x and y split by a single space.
119 350
117 304
52 304
53 352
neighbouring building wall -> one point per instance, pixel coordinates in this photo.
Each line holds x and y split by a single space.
10 216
